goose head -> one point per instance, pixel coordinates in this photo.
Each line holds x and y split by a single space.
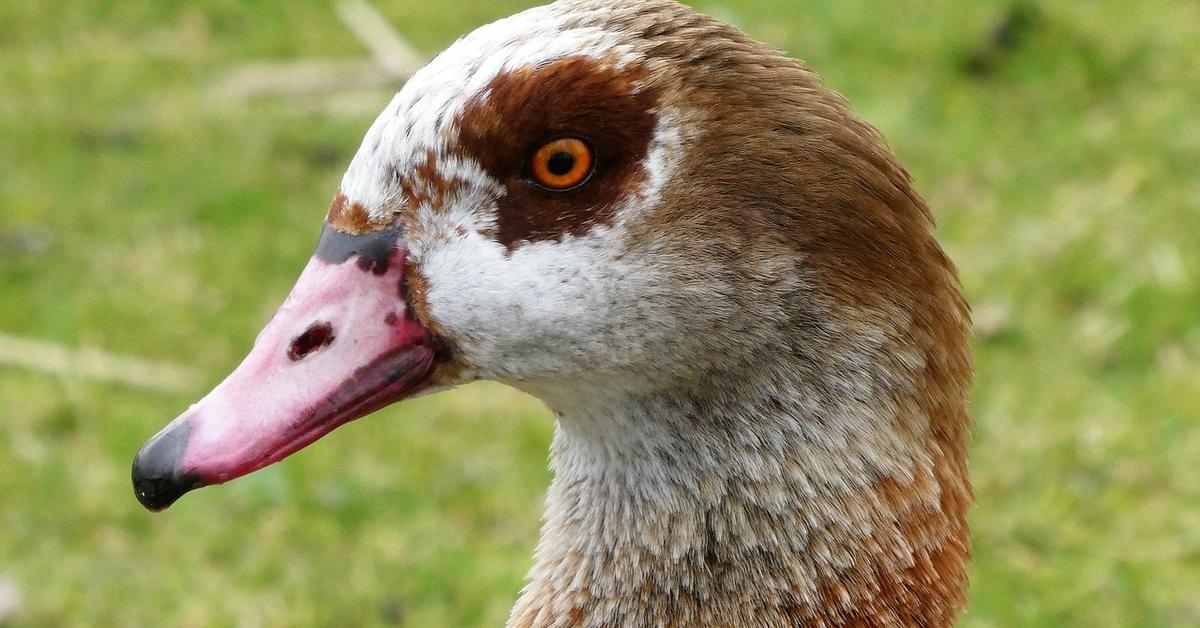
683 243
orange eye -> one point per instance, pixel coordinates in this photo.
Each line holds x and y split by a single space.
562 164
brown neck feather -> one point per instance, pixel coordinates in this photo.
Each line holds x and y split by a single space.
827 486
765 509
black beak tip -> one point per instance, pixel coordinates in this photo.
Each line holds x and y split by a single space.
157 494
158 480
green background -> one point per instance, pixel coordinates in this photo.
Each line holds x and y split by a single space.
1058 142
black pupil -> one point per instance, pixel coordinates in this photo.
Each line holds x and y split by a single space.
561 163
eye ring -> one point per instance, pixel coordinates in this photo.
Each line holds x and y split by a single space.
562 164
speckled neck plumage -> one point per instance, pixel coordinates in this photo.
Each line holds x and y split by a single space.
760 504
814 474
755 347
718 277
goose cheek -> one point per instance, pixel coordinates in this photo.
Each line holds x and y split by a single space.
343 345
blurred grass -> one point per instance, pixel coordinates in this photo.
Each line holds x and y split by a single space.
1062 154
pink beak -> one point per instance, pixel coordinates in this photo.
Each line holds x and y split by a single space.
342 346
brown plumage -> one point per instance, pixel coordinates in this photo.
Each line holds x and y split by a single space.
754 347
782 177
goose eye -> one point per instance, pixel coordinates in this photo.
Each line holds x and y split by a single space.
562 164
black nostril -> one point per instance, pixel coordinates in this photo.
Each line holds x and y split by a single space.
313 339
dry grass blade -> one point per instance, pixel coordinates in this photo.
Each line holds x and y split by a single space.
392 62
95 364
301 78
389 50
10 600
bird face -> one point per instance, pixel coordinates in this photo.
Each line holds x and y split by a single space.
596 202
516 208
483 230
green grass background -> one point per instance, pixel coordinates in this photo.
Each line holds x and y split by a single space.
1065 171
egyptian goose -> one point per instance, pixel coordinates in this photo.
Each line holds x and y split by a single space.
716 276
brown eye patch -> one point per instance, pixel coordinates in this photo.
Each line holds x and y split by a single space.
605 107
